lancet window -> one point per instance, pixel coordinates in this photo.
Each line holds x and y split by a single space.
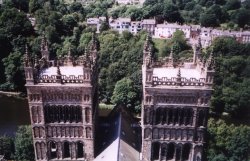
169 151
63 114
36 114
172 116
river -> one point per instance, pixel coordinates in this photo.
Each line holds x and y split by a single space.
13 112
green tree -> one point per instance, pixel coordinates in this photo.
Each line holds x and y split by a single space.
6 147
171 13
232 4
190 6
13 71
227 141
241 17
35 5
208 20
15 23
124 93
104 26
179 43
76 7
23 144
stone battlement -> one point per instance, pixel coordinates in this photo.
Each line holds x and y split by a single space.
174 81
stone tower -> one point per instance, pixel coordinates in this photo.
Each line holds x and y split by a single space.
62 97
175 106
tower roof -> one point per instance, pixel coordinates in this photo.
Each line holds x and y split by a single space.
123 143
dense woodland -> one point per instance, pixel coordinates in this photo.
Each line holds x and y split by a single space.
120 59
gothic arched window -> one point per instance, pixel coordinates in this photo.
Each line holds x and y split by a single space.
87 115
155 150
80 150
88 132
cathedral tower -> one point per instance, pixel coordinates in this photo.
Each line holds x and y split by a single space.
175 106
62 97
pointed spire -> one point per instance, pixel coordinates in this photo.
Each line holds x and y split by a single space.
86 52
171 53
171 58
27 59
59 75
43 43
58 72
179 73
36 61
210 62
93 36
26 49
69 57
147 42
93 42
44 48
69 53
178 79
197 49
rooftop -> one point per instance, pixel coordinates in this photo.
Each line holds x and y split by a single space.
148 21
172 73
121 140
65 70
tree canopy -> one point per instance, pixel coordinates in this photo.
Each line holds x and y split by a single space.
23 144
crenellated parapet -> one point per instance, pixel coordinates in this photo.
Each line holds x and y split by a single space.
194 71
64 69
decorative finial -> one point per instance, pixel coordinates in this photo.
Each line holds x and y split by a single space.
36 61
178 79
43 41
93 43
26 49
179 73
58 72
93 36
59 75
69 52
147 42
211 62
171 53
27 59
86 52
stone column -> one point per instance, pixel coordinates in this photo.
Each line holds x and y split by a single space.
194 117
167 116
160 151
179 116
181 153
191 155
83 115
173 116
154 117
59 150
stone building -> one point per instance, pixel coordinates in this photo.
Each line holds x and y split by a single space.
62 95
175 106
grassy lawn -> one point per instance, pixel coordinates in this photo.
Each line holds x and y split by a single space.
105 106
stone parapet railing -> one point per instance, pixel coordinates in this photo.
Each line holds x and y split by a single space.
64 79
173 81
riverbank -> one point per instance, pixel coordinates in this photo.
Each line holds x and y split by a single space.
10 93
14 111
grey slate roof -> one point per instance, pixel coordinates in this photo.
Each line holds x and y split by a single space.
122 139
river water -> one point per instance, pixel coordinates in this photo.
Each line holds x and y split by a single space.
13 112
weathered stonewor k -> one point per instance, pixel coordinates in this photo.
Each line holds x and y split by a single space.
175 106
62 97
